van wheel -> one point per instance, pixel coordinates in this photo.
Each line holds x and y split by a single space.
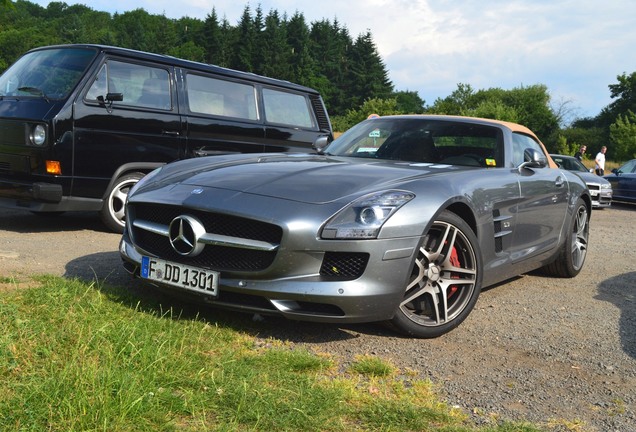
113 211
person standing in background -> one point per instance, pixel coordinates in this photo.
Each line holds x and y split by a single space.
579 154
600 162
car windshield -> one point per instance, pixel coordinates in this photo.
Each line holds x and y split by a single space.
629 167
422 140
569 163
49 73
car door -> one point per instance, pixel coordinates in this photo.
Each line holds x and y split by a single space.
624 183
542 207
139 124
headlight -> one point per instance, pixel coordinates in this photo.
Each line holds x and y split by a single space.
606 185
38 135
363 218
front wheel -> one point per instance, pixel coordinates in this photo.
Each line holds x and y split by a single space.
445 280
113 210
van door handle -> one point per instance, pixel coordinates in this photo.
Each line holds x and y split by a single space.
170 133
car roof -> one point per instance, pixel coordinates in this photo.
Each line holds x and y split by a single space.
179 62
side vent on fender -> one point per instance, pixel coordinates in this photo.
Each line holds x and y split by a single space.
502 228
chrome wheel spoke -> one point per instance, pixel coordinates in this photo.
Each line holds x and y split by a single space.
579 240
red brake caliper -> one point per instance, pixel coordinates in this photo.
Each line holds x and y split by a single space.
454 260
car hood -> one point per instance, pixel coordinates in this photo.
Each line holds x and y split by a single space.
303 178
591 178
27 107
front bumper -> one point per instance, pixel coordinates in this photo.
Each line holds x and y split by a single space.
601 198
374 296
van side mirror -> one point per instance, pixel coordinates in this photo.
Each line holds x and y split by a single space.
114 97
320 143
110 98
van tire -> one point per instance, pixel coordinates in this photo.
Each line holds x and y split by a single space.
113 209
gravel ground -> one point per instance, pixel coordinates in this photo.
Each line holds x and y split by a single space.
557 352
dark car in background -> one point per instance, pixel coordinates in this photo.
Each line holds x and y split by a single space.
623 182
600 188
401 219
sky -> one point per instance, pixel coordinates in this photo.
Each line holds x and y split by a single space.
576 48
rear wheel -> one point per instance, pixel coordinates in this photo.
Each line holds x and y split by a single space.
445 280
572 255
113 210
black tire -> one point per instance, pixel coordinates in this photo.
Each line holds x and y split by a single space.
113 210
448 263
571 256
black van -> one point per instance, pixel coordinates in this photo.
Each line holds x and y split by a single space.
81 124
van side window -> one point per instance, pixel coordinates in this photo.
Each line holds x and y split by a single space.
221 98
142 86
287 108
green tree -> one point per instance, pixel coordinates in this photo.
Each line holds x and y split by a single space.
214 41
624 95
303 67
368 77
454 104
274 52
243 46
408 102
623 136
331 45
379 106
593 138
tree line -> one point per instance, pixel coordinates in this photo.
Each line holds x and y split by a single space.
348 71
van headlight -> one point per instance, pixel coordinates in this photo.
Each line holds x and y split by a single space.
363 218
38 135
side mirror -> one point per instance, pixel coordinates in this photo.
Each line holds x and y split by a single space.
533 159
114 97
321 143
110 98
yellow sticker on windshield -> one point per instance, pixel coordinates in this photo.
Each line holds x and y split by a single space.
491 162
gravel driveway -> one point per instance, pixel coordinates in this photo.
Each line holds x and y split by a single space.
551 351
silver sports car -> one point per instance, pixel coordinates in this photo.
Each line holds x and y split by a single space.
402 219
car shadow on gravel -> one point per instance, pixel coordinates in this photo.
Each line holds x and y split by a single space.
105 271
621 292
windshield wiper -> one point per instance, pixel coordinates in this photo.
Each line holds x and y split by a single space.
34 91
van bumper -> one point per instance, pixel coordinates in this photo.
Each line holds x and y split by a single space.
42 197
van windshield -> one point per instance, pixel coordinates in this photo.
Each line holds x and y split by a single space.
49 74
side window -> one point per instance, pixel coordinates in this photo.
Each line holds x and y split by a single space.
287 108
213 96
142 86
520 143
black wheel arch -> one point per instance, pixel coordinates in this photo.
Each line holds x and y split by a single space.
129 168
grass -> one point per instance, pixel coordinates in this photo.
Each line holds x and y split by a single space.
81 357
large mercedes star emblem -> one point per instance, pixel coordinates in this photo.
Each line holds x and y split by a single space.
184 234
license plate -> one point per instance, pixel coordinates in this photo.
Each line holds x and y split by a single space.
180 275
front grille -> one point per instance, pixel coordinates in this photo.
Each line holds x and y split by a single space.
5 167
592 186
220 258
343 265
